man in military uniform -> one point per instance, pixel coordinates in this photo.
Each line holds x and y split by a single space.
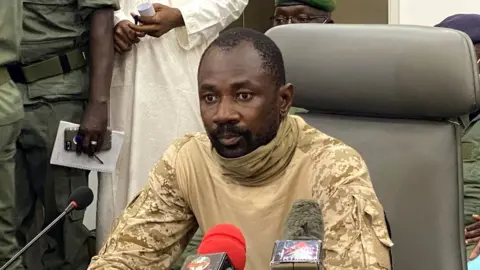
59 39
11 114
470 24
250 173
303 11
286 12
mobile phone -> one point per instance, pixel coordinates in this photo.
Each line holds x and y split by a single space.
71 144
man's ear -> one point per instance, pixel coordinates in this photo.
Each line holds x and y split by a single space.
286 98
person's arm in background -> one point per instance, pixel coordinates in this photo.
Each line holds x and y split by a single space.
95 119
99 13
124 36
197 23
204 19
155 227
356 235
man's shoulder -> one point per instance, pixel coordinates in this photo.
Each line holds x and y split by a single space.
183 151
321 147
189 145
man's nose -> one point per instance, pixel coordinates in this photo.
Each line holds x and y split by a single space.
226 112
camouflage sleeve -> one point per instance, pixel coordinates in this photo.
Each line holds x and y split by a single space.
191 249
155 227
356 235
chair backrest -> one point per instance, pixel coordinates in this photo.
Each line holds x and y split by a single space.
388 91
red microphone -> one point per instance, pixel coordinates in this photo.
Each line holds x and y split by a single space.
223 247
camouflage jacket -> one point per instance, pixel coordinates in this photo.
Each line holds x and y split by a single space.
188 189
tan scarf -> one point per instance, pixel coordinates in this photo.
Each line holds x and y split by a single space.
259 166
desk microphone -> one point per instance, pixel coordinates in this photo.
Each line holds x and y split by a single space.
80 199
302 247
222 248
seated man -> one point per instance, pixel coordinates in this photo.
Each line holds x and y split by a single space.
247 169
470 24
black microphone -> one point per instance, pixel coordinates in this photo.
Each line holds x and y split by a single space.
80 199
303 234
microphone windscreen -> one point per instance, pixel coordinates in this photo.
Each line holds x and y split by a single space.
225 238
82 196
304 221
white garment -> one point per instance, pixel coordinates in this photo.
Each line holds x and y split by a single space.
154 99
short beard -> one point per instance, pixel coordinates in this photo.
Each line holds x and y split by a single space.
249 142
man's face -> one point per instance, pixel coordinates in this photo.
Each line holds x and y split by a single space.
299 14
240 104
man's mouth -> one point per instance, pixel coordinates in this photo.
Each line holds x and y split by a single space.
229 140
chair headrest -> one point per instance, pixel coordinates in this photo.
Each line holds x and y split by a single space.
380 70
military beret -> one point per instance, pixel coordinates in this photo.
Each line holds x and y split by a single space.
326 5
467 23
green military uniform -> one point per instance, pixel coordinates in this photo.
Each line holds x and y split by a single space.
471 172
469 24
11 113
53 79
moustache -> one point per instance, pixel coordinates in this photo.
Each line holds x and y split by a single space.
225 130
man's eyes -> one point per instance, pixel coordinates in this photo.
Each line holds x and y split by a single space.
242 96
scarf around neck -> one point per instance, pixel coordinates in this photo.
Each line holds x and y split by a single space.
258 167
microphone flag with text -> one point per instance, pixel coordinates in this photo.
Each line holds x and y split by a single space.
222 248
303 236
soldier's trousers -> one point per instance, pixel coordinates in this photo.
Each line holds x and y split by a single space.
191 249
51 185
8 243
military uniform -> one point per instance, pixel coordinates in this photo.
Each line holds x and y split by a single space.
471 172
53 79
469 24
254 193
191 249
11 114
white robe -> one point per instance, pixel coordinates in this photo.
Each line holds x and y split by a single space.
154 99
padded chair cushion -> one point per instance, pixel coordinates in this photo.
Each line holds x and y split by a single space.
384 70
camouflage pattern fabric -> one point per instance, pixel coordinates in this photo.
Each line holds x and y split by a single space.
295 110
191 249
158 224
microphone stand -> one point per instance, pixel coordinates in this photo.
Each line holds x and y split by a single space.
69 208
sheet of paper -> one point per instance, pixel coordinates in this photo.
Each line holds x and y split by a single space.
65 158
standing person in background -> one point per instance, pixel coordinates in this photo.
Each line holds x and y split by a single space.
11 114
470 24
154 91
303 11
59 38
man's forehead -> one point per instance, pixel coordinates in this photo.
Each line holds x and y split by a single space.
241 60
242 53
